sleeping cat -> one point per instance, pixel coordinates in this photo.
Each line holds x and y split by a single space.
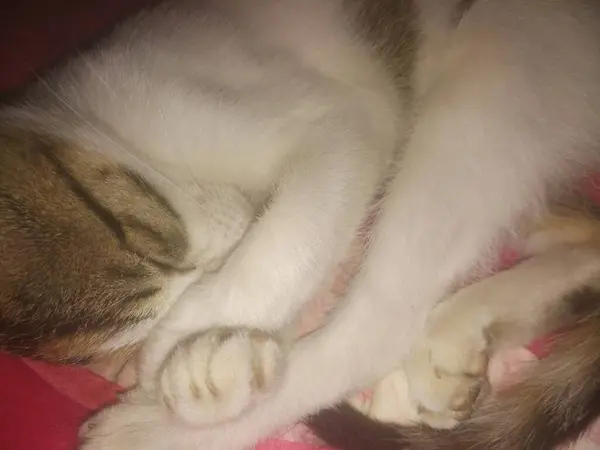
552 403
229 150
190 159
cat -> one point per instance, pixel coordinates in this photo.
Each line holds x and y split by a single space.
189 159
284 119
148 171
551 404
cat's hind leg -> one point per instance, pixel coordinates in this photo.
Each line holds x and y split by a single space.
447 366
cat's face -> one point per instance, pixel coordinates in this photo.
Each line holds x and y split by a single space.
86 247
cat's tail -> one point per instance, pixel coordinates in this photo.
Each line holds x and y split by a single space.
555 401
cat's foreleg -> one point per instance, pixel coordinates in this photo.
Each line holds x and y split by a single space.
222 340
446 368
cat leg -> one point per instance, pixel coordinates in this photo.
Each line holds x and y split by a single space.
220 345
477 161
446 368
322 369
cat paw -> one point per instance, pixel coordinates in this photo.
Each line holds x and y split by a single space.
446 370
137 422
215 376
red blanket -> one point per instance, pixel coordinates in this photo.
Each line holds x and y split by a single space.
42 406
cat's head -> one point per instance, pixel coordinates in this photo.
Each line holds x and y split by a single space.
86 248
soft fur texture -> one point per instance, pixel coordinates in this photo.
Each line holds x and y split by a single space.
268 127
553 401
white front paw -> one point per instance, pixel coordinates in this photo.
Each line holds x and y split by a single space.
446 370
137 423
216 375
